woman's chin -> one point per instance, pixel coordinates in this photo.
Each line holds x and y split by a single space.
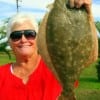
25 54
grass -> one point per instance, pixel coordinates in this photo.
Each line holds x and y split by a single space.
5 59
89 86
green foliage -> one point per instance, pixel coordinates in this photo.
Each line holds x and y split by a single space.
97 25
98 28
98 69
3 49
4 44
3 27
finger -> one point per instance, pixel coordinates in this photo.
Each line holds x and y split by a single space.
78 3
88 8
71 3
88 4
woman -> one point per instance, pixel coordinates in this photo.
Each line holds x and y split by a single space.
28 78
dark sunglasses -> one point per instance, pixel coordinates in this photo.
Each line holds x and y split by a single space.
17 35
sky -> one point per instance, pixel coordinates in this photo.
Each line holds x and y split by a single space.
36 7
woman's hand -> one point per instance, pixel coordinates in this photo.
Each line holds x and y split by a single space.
79 3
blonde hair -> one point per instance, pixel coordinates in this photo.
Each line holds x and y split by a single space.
20 18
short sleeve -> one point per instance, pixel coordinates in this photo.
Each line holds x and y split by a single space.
52 87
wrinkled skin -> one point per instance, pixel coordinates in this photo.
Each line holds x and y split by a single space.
67 41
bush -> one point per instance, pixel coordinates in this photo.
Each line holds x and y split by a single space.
98 69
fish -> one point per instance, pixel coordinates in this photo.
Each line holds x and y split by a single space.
68 42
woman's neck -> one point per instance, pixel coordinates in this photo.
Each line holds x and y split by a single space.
27 61
24 67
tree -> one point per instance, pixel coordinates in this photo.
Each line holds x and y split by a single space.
3 39
98 61
97 25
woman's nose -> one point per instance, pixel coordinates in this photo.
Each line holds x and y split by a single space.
23 39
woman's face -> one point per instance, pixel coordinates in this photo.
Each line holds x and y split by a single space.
23 46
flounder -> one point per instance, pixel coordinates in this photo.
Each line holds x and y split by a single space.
67 41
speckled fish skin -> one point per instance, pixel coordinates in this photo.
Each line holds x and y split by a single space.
69 43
